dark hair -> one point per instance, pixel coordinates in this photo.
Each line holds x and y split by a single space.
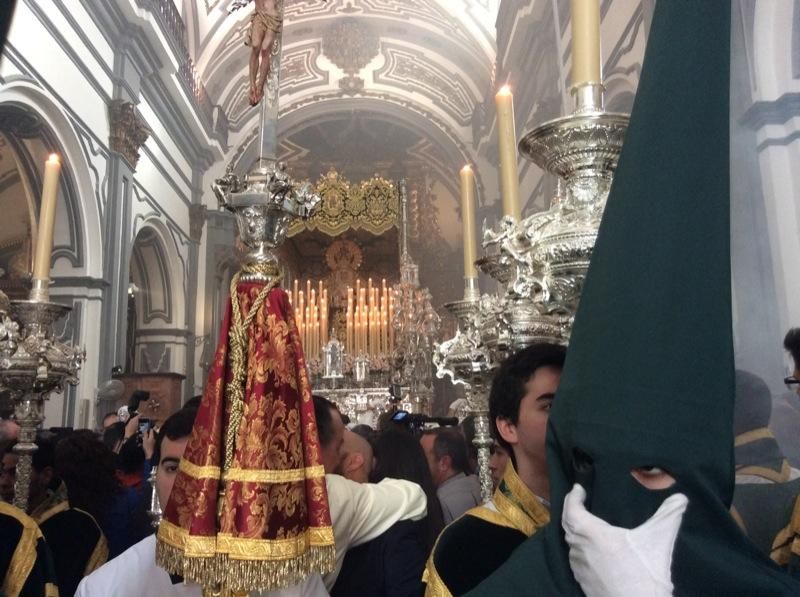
450 442
791 342
178 425
86 466
399 455
131 456
323 413
193 402
111 413
113 434
508 386
365 431
45 454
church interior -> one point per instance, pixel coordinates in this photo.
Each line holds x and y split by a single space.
415 135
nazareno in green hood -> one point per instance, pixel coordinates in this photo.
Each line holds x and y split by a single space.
649 377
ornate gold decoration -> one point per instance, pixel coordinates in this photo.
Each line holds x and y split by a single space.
371 205
128 131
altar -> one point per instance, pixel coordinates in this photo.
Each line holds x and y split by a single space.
366 323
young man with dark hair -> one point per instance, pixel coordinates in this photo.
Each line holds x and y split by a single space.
134 572
457 490
519 405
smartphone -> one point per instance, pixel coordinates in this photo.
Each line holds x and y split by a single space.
145 425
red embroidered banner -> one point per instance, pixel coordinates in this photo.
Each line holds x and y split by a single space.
260 518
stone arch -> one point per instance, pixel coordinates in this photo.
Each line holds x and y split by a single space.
157 304
84 255
157 264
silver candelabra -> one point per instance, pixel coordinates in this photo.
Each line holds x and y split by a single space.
33 363
469 362
539 263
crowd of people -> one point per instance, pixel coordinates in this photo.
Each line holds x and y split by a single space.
407 513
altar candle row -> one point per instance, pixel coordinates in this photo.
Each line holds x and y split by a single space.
310 303
369 319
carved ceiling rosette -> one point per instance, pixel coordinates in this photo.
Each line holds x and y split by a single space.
350 44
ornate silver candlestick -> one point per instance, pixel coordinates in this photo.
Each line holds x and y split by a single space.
264 202
542 261
583 150
468 362
33 363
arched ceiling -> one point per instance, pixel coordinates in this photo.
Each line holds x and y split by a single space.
429 60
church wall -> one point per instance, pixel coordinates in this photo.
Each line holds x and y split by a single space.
65 62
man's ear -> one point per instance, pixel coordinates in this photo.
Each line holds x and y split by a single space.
355 461
47 475
445 463
507 430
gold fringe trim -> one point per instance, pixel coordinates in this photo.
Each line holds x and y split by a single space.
222 571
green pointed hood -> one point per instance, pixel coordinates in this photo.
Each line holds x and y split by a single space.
649 377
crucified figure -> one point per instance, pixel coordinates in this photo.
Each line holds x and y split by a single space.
265 25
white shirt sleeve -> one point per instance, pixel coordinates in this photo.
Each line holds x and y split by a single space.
362 511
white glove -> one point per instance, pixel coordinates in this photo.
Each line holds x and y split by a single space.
610 561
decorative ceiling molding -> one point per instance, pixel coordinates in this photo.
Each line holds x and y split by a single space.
415 71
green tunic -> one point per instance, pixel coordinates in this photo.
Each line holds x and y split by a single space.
649 375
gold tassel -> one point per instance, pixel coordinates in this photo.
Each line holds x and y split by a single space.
222 572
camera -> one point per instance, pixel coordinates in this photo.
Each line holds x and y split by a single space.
416 422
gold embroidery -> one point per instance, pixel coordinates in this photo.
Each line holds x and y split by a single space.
518 503
199 472
781 476
237 340
24 556
434 585
787 541
752 436
253 476
99 556
518 508
491 516
60 507
242 548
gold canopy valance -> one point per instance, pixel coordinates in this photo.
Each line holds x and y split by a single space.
370 205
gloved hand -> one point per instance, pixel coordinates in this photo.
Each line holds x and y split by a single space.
610 561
